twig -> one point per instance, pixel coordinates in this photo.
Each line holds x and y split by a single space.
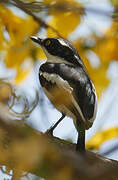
64 7
21 6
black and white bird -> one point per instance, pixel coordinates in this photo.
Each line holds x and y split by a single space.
63 75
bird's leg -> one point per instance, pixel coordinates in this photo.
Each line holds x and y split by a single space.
50 131
80 147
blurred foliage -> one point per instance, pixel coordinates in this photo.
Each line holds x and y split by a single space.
5 91
18 48
114 2
57 18
14 38
99 138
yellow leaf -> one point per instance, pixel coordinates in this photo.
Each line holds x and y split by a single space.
106 47
17 27
100 137
18 45
15 57
2 43
21 75
99 78
40 54
114 2
65 22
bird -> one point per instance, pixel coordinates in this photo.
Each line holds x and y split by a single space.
67 85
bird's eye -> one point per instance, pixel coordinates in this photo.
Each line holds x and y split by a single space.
47 43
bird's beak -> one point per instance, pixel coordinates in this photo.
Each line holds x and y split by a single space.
36 39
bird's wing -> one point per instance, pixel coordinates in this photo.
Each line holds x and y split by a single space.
84 91
75 81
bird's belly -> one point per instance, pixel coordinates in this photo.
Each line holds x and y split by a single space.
61 100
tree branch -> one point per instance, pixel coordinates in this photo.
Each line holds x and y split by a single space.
21 5
48 156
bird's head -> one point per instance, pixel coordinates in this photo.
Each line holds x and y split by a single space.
58 50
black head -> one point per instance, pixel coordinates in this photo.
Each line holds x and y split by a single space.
59 48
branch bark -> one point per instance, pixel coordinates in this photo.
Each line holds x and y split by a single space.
26 149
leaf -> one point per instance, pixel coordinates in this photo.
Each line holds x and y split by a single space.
64 21
99 78
106 47
18 28
21 75
15 57
40 54
2 43
102 136
114 2
17 46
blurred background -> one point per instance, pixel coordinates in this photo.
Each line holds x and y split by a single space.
92 27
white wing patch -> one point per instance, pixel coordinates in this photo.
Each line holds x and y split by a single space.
54 78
